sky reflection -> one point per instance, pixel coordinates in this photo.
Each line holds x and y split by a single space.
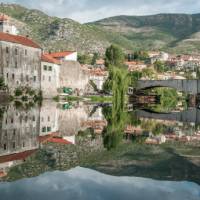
81 183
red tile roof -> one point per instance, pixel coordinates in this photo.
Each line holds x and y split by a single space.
18 39
48 58
59 140
3 17
16 156
61 54
45 138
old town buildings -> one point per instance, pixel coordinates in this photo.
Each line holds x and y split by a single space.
20 58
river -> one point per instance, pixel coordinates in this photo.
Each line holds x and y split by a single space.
84 150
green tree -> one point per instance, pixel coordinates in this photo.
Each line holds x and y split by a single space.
114 56
94 59
160 66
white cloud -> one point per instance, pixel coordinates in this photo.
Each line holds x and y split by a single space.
91 10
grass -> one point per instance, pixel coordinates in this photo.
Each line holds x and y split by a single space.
100 98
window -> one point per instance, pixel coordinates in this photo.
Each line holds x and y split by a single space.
48 129
7 50
33 118
27 78
13 145
7 63
49 78
12 120
23 144
45 67
13 76
44 129
15 64
26 52
34 78
50 68
14 132
48 118
16 52
7 75
4 146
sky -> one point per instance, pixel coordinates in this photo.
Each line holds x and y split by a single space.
92 10
86 184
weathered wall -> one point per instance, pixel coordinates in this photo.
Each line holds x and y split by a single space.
72 75
50 82
23 69
70 121
19 130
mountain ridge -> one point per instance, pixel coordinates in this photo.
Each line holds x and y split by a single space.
173 32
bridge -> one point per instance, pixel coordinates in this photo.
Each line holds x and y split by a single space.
187 86
187 116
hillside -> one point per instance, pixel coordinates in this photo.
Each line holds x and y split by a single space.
171 32
57 34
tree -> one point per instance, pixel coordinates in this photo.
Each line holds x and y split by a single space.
114 56
141 55
84 59
94 59
159 66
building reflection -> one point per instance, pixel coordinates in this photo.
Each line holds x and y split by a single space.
22 131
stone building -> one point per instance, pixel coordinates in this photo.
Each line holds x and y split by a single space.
19 130
50 70
20 59
73 76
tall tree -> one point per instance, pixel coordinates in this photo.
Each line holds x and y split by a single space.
114 56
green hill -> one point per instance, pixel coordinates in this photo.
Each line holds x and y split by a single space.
171 32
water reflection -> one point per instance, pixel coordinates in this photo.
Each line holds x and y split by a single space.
62 136
80 183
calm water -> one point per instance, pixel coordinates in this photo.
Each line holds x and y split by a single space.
41 148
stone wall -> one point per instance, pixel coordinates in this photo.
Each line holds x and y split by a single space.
72 76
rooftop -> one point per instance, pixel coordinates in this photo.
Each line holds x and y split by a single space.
18 39
61 54
48 58
16 156
3 17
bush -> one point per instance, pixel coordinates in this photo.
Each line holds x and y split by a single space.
18 92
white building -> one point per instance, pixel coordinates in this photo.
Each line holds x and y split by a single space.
49 115
5 25
50 70
20 59
65 55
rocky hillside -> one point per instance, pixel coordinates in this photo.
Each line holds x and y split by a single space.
57 34
175 32
171 32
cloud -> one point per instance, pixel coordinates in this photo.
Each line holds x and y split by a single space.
81 183
90 10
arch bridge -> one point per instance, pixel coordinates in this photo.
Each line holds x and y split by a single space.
187 86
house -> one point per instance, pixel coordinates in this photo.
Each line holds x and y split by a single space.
48 121
98 76
135 66
65 55
50 72
162 56
20 59
5 25
100 63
